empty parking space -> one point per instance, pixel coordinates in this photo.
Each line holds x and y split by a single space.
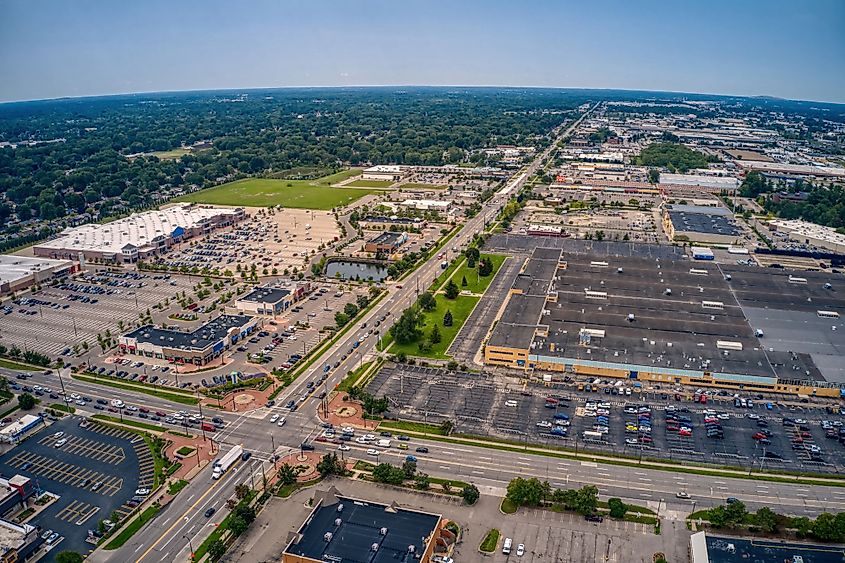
94 474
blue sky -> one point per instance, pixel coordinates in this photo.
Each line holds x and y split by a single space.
53 48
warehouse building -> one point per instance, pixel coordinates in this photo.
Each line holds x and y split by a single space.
139 236
21 272
198 347
347 529
712 225
673 322
386 243
697 183
808 233
384 172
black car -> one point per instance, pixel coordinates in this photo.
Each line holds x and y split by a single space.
422 450
245 456
593 518
210 512
102 402
305 446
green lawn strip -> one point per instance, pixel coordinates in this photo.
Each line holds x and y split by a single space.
362 465
419 427
461 307
130 422
285 491
264 192
172 154
354 376
797 479
476 283
9 411
507 506
129 530
174 488
370 183
62 408
491 540
174 396
631 508
185 450
338 177
443 241
12 364
444 276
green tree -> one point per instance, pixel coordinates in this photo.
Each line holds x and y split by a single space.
409 468
422 481
287 474
330 464
766 519
340 319
427 302
26 401
654 175
485 267
824 527
464 282
451 291
525 492
447 319
435 337
470 494
446 427
237 525
216 550
409 326
617 507
351 309
472 254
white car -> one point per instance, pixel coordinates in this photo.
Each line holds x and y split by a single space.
631 441
682 494
343 448
347 430
361 440
75 396
372 452
131 408
60 443
142 492
520 550
281 421
58 434
723 416
544 424
274 418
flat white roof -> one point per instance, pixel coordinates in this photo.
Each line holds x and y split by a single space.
19 425
384 168
13 268
726 182
764 166
806 229
138 230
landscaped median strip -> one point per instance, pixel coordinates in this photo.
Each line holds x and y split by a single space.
608 460
170 395
130 422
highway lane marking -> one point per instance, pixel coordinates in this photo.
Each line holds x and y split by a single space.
190 508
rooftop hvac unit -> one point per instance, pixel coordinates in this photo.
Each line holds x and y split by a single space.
668 291
327 537
618 270
338 521
383 531
630 317
374 547
728 277
411 549
340 507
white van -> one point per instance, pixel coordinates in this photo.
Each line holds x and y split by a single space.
506 548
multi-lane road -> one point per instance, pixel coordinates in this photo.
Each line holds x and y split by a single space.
183 524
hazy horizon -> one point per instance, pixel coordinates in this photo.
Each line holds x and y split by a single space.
723 48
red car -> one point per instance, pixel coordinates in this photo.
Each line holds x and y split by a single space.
758 436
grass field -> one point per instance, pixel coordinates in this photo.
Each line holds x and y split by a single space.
370 183
263 192
172 154
475 283
10 364
461 307
415 186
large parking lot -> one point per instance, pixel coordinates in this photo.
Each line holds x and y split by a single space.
93 470
76 310
272 239
658 426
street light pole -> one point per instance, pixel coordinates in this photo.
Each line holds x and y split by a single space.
190 545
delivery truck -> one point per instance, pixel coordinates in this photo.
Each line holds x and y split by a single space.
224 463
